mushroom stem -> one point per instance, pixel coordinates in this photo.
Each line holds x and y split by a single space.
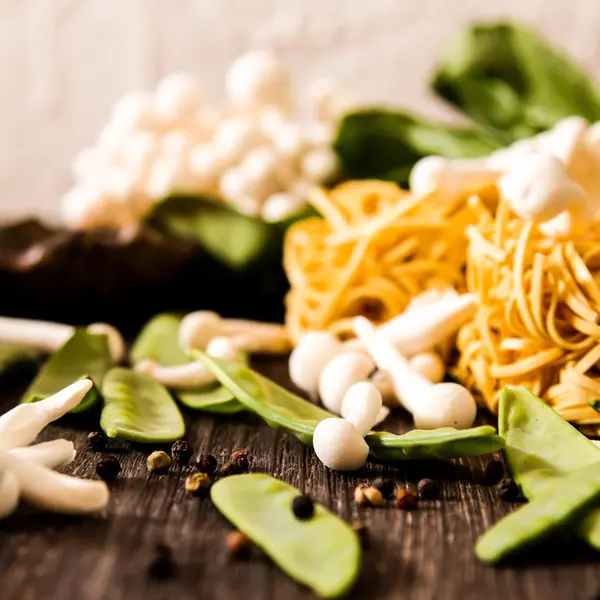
187 375
21 425
45 489
9 493
48 337
56 454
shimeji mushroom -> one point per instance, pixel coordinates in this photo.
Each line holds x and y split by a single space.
432 405
197 329
48 337
26 471
339 443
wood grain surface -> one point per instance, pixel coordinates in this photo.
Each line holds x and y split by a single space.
422 555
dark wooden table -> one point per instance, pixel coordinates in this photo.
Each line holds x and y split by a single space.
422 555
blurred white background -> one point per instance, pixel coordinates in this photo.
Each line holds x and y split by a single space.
65 62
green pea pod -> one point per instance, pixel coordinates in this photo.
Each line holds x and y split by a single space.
542 448
282 409
559 505
139 409
159 341
322 552
15 358
83 355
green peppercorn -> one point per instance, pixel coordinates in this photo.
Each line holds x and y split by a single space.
198 484
158 462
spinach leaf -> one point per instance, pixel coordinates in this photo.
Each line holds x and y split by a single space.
83 355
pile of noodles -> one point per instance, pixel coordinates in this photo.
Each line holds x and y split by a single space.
377 247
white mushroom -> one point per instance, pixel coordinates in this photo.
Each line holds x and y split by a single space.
48 337
21 425
314 351
9 493
421 328
199 328
361 406
56 454
45 489
343 371
432 405
428 365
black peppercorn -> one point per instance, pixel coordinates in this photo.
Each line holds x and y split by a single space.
303 507
239 461
406 499
97 441
162 565
508 490
206 463
387 487
108 468
181 452
494 472
362 531
428 489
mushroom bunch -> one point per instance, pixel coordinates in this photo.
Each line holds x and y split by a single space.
27 471
220 338
552 178
321 364
253 152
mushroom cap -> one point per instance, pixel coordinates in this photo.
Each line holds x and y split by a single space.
446 405
341 372
429 365
308 359
198 328
222 347
339 445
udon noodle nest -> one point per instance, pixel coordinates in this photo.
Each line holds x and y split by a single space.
378 246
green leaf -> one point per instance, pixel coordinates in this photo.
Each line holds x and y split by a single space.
507 79
284 410
15 358
385 144
322 552
139 409
83 355
159 341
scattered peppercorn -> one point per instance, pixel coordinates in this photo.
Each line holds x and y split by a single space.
428 489
362 531
238 544
158 462
406 499
181 452
198 484
162 565
239 461
365 495
108 468
206 463
303 507
508 490
494 472
97 441
387 487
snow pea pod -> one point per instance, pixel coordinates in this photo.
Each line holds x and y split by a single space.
83 355
139 409
560 504
159 341
322 552
282 409
542 448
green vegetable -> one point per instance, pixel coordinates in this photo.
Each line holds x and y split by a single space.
139 409
512 82
159 341
83 355
282 409
385 144
595 404
14 358
557 507
542 449
323 552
